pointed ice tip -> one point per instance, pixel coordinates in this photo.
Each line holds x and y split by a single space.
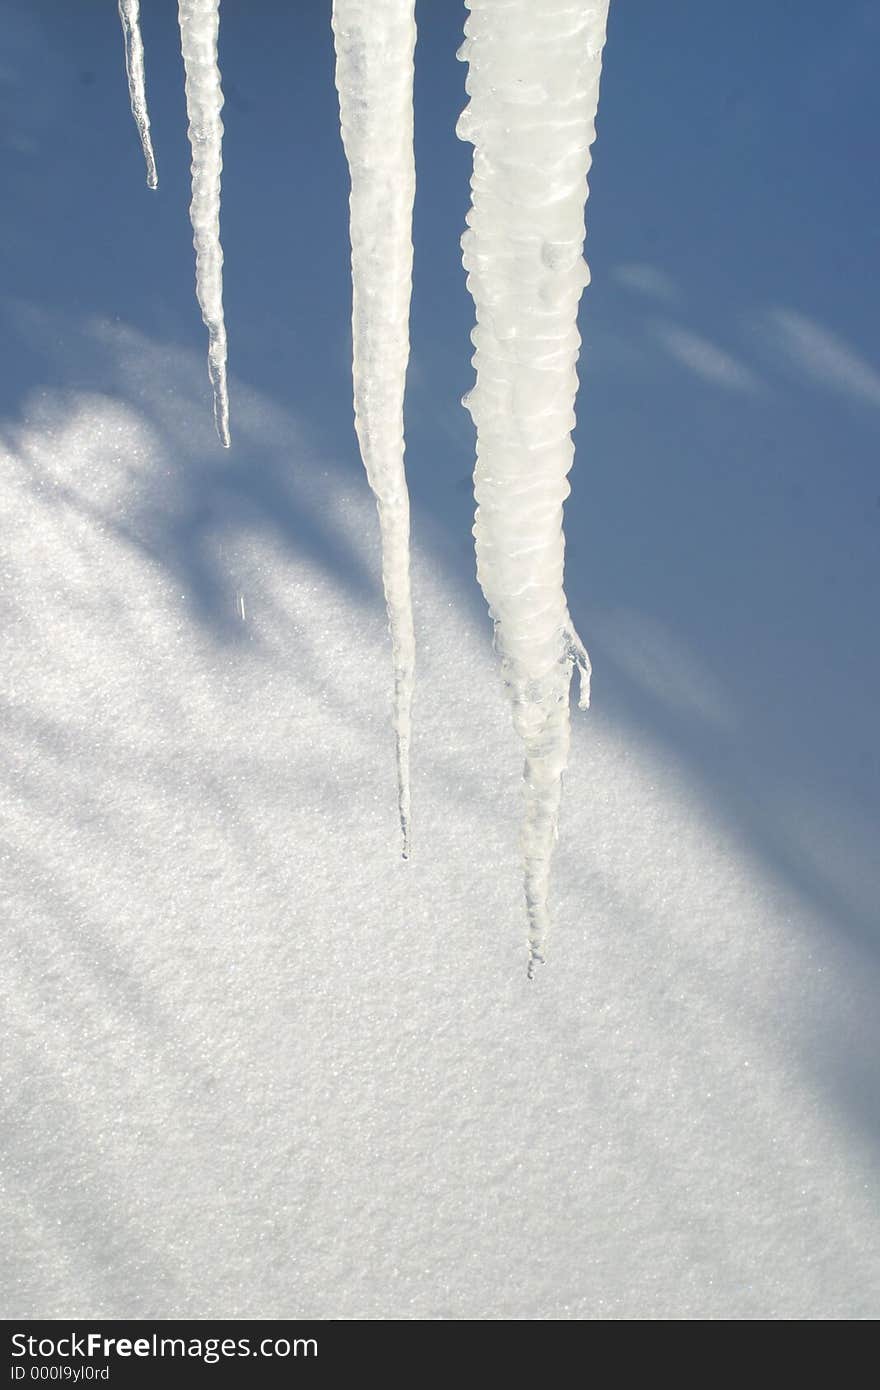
152 179
217 375
535 958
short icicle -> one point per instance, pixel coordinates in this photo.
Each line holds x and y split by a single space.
374 77
533 83
130 18
199 29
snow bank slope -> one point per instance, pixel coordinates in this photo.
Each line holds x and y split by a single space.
257 1065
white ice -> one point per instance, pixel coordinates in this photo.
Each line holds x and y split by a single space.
199 28
533 83
129 15
374 78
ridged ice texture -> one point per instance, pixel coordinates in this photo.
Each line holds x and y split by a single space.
130 18
533 83
374 77
199 28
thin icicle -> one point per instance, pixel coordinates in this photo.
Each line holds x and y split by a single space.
374 77
199 28
533 83
130 17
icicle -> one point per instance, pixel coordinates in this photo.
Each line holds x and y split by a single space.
533 83
199 28
374 77
129 14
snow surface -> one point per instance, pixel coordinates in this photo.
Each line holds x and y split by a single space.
252 1063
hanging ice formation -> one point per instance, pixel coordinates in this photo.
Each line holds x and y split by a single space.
374 77
129 15
199 28
533 83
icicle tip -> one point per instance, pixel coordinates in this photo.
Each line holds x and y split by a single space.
129 14
217 375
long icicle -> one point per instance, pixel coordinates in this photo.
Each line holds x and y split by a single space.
199 29
130 18
533 82
374 77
